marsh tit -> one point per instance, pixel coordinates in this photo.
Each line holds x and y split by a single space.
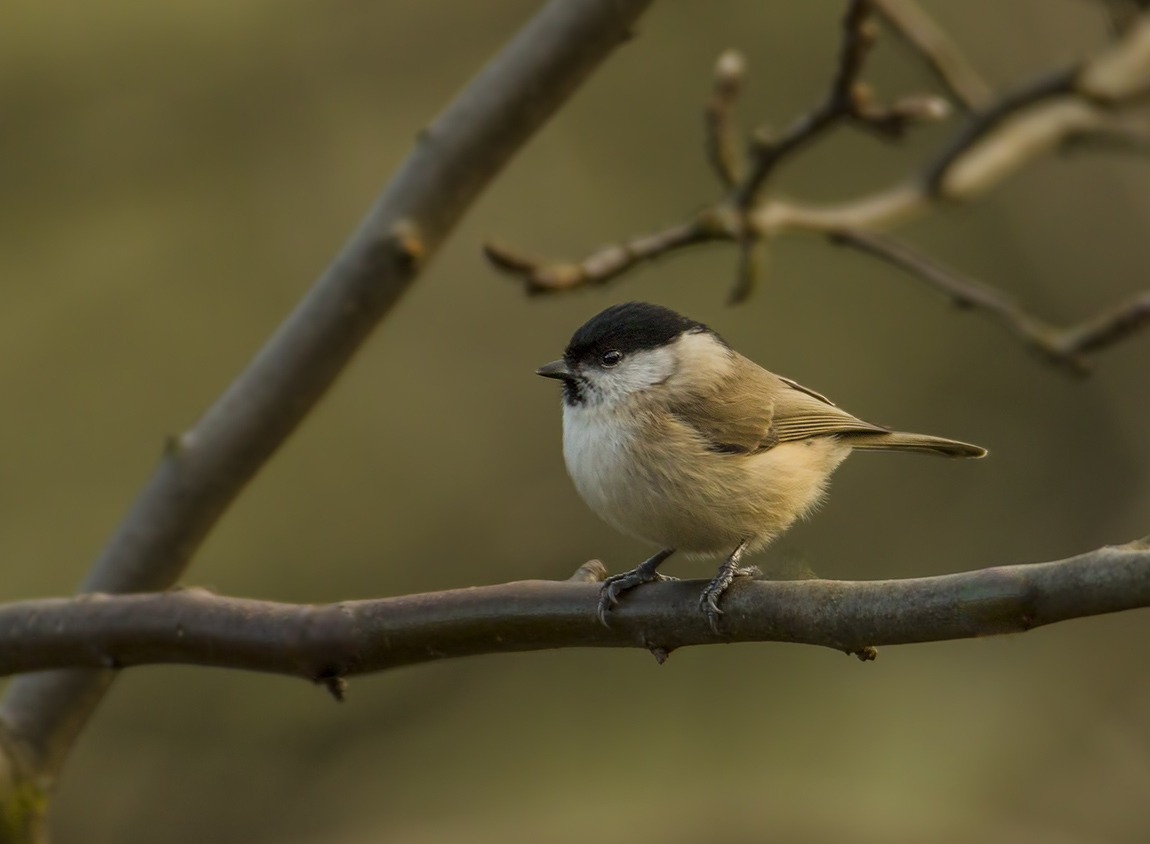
673 437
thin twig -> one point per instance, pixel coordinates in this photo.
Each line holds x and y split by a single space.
857 39
958 76
1062 346
751 268
1118 134
333 641
847 99
1107 328
1065 109
603 264
205 469
724 152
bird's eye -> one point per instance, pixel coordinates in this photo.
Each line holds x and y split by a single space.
611 358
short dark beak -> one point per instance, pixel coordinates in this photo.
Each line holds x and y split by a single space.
555 369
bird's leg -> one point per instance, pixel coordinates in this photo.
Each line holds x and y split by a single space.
728 571
617 584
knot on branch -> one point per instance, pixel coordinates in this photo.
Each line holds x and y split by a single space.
336 686
592 571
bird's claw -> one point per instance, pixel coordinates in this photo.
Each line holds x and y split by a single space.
617 584
709 599
709 604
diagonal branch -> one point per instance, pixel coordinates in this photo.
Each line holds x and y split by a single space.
981 123
1062 346
205 468
916 27
328 642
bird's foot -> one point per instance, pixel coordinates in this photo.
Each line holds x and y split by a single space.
617 584
728 571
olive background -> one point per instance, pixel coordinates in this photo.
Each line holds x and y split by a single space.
174 175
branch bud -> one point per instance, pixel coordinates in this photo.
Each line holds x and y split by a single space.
730 69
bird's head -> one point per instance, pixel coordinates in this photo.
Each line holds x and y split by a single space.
624 350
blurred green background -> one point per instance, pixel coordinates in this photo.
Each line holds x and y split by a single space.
174 175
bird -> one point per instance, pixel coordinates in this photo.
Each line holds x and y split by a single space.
674 438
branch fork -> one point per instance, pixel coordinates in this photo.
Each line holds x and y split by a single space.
1086 105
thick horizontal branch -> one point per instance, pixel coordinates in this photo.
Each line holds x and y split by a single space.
320 642
1062 346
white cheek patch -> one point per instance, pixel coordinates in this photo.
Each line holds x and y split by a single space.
638 371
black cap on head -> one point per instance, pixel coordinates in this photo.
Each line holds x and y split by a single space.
629 327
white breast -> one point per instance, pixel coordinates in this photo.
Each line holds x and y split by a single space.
597 450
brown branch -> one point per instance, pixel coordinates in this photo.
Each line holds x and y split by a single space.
908 20
839 104
605 263
205 468
1062 346
320 642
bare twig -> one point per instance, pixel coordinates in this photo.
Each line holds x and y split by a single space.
908 20
721 132
325 642
858 37
847 99
1068 108
605 263
980 124
1119 134
1062 346
1107 328
752 266
206 468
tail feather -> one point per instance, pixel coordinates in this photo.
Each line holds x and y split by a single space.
899 441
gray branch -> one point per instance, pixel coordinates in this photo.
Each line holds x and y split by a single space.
326 643
1065 347
204 469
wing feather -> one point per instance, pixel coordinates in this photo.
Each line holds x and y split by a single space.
750 410
734 411
801 413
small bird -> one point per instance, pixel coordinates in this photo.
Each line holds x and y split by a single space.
673 437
